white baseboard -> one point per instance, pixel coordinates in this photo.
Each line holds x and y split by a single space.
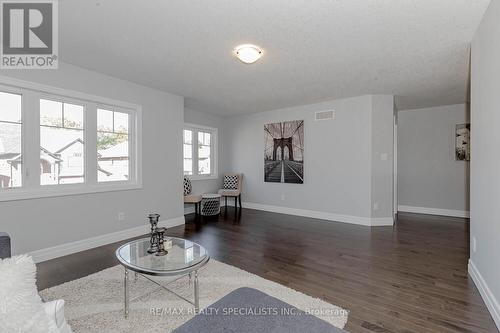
434 211
382 221
89 243
488 297
366 221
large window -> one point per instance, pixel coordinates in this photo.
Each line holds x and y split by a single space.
200 155
55 142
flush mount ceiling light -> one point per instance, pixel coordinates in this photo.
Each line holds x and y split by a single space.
248 53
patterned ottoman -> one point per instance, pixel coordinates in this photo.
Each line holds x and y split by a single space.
210 204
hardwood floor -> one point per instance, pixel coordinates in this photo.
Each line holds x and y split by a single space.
408 278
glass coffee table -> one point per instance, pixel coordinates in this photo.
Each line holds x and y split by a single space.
184 258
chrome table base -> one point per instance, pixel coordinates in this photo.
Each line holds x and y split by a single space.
195 303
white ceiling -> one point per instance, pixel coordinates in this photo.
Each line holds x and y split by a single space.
315 50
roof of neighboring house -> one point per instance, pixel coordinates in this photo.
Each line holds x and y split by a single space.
69 145
47 155
117 151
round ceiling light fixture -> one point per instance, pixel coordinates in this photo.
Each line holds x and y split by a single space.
248 53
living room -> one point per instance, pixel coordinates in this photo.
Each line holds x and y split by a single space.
336 158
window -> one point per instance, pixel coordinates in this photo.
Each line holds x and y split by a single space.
200 143
188 152
56 142
61 143
10 140
112 146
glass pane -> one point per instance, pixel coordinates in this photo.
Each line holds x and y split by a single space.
50 113
204 166
73 116
121 122
61 156
203 151
10 107
188 151
188 136
104 120
10 155
188 166
112 157
204 138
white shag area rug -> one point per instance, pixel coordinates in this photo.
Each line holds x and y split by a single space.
95 303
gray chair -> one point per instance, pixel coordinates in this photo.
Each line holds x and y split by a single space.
4 245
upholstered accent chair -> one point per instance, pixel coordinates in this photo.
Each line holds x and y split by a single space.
190 198
231 187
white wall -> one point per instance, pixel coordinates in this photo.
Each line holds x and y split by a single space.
382 146
429 177
485 165
337 161
41 223
210 120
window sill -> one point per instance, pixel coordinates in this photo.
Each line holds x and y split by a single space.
196 178
64 190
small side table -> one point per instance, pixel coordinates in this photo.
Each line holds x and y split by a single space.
210 204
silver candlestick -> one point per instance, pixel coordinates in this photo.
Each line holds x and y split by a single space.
153 241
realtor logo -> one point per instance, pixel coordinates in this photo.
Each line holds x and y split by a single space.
29 34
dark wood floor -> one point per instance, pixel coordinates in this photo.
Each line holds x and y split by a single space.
410 278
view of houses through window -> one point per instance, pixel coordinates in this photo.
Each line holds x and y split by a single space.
112 145
10 140
62 141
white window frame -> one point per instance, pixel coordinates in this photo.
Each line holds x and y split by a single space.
213 151
30 113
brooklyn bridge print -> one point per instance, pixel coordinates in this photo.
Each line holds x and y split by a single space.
284 152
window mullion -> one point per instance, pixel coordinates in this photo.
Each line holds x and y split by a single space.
195 153
90 139
31 139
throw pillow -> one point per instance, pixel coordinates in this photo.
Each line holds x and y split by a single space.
187 186
230 182
21 308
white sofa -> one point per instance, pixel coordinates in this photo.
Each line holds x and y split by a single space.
12 278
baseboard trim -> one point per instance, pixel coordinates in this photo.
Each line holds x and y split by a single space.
366 221
89 243
488 297
434 211
382 221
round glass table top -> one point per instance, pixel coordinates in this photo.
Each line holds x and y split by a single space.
183 257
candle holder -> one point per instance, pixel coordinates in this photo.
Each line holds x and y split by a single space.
161 242
153 241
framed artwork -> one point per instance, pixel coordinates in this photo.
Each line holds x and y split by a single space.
462 142
284 152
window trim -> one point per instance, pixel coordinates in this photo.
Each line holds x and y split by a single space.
30 132
214 146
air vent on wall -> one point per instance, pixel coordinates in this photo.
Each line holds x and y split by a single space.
324 115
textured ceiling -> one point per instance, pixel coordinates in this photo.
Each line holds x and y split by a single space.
315 50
